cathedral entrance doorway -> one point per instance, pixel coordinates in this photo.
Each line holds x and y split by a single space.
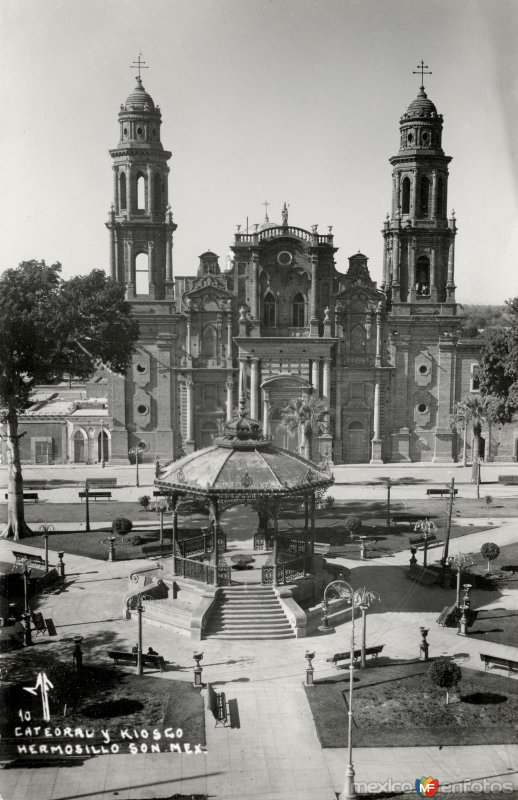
79 447
356 444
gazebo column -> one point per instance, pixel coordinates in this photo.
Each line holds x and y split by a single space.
306 525
275 545
174 535
215 523
312 507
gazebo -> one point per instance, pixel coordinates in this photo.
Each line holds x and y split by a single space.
244 467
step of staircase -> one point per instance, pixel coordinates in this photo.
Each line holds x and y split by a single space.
248 612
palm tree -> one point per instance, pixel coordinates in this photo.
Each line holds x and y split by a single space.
307 415
476 411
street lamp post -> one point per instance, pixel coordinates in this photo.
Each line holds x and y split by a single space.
87 505
349 792
140 609
102 444
426 526
460 560
26 576
365 599
136 451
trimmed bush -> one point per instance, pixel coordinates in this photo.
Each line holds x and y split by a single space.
489 551
329 501
121 526
445 674
144 500
352 525
134 540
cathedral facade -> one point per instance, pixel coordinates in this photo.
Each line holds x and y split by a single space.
283 321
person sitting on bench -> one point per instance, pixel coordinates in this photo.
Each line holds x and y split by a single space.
135 649
151 652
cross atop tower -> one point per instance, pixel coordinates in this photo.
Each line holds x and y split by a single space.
266 204
421 68
139 64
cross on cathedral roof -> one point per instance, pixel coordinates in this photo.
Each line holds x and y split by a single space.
139 64
421 68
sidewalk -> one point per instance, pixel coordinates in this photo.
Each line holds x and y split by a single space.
274 754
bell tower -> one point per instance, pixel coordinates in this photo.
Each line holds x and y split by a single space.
418 261
140 220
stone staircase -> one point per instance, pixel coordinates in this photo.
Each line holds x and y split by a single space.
248 612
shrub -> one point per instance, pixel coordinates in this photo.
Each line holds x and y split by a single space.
121 526
445 674
134 540
352 525
488 500
489 551
144 500
330 501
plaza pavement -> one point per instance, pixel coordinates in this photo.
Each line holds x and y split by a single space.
272 753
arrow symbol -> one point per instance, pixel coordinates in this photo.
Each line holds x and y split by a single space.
43 684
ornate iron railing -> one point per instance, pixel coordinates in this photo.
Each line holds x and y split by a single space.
202 572
296 547
287 572
263 539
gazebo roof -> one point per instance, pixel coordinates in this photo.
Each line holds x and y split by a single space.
243 463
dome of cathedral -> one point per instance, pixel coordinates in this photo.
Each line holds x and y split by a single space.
139 99
421 107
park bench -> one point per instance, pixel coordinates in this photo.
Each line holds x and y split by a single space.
512 568
420 539
103 483
369 651
497 661
95 495
508 480
440 492
20 558
217 704
27 496
155 660
405 521
38 622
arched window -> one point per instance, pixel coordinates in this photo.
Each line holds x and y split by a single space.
142 274
422 276
405 196
208 342
269 310
158 193
141 192
122 190
440 190
424 196
299 311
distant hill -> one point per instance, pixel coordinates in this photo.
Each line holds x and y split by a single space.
480 318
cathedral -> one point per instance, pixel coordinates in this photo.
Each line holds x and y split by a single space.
279 321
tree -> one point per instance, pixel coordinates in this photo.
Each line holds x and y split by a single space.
307 415
121 526
445 674
352 526
489 551
499 366
477 411
49 327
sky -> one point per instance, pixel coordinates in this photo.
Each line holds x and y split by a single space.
262 100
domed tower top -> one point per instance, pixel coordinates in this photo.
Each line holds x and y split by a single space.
139 118
421 125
